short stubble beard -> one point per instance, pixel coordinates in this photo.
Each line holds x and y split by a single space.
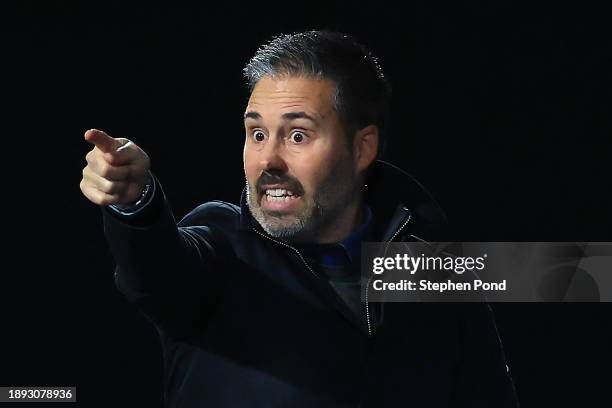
333 196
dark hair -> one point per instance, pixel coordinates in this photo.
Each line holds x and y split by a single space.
362 95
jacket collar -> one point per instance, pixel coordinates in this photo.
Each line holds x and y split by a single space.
395 198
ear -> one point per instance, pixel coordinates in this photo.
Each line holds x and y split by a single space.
365 147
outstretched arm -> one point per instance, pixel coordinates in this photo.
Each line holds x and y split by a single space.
168 271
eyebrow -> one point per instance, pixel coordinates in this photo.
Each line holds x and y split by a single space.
252 115
286 116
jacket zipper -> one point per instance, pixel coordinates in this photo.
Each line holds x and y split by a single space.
367 304
367 289
294 249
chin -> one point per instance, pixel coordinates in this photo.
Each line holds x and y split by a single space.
286 226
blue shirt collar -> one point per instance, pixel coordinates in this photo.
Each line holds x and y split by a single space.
347 251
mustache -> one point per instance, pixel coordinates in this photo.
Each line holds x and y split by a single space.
269 178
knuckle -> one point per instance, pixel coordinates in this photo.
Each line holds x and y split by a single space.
104 169
113 160
90 194
107 186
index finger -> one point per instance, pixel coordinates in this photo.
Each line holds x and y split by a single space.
102 140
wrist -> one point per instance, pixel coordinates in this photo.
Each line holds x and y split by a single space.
144 196
136 203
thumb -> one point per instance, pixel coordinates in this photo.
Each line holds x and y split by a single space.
102 140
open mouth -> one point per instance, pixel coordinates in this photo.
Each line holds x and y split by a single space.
278 198
279 194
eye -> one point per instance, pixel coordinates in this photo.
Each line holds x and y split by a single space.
259 136
298 137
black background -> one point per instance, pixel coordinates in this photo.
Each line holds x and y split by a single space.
502 111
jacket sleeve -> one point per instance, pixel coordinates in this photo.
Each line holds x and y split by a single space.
169 271
482 378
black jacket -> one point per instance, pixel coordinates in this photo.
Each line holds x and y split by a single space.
244 320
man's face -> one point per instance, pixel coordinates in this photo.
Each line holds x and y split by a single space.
298 161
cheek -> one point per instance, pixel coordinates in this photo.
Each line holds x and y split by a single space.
311 172
250 167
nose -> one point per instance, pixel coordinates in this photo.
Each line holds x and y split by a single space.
272 158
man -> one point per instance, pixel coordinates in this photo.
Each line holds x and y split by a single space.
260 304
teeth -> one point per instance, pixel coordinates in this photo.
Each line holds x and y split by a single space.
278 192
280 199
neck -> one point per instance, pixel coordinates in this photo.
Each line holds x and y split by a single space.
349 220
